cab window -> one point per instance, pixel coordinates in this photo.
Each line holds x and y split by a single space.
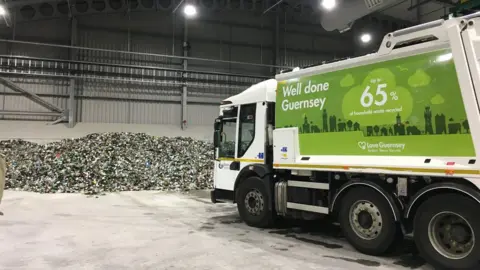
227 138
246 128
228 133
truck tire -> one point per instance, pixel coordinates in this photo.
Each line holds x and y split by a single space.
445 229
368 222
252 203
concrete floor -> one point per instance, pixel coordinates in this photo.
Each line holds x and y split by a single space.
153 230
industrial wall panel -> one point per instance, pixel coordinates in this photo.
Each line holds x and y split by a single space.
299 59
155 113
210 50
261 35
57 29
54 91
433 11
154 92
202 114
155 22
4 47
133 112
215 93
107 89
252 55
101 20
155 45
237 17
298 41
89 37
145 21
38 51
43 85
20 103
331 46
210 31
101 111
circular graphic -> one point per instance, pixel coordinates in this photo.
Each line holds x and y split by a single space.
378 100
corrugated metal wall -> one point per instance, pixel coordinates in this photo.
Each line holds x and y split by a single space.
229 36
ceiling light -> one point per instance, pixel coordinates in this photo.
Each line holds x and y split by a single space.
366 38
329 4
190 10
3 11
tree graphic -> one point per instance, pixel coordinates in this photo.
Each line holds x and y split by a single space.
466 126
356 126
384 131
341 125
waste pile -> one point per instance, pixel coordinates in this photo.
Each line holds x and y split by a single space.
109 162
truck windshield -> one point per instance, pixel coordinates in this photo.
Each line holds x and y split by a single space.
227 138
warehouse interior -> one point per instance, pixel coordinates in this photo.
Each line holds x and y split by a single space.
146 63
83 69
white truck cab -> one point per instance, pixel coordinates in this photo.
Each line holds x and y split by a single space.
244 114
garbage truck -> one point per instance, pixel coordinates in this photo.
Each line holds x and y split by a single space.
387 144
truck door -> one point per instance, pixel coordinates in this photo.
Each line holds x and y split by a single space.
241 143
226 171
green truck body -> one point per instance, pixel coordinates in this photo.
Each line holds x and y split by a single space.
410 106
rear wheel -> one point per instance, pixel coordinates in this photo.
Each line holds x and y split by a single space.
252 203
367 221
445 230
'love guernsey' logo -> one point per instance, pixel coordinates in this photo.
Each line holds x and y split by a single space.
381 147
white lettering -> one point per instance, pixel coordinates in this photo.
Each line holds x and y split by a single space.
287 90
291 90
303 104
316 87
285 105
382 147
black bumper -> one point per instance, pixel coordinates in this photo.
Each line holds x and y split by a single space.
221 195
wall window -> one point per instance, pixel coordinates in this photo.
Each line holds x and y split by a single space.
246 128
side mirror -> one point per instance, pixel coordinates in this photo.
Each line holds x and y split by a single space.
217 132
216 138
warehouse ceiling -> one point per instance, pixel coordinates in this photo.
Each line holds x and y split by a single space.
403 10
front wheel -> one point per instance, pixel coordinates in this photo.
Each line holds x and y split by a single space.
445 230
368 222
252 203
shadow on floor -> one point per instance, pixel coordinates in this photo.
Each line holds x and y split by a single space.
319 232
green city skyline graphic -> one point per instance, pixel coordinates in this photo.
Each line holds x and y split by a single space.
400 128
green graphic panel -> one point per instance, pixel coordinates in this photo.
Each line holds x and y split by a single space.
404 107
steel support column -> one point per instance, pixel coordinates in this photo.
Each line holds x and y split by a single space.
276 43
71 87
186 47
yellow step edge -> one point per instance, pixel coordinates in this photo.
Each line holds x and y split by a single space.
242 160
346 168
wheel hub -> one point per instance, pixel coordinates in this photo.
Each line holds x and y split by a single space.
460 233
451 235
365 220
254 202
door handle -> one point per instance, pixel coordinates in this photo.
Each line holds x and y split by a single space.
235 166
